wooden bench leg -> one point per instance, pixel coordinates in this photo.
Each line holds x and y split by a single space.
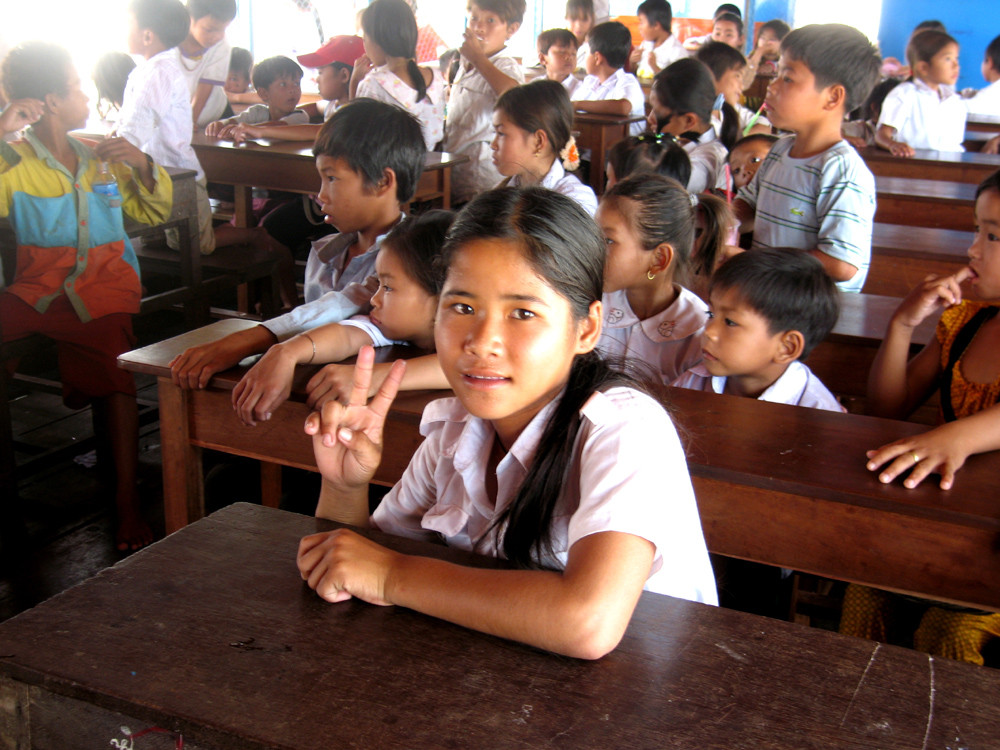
270 484
183 484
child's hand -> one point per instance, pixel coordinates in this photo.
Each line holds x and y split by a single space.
936 292
635 57
243 132
120 149
335 382
227 130
992 146
340 564
362 66
939 451
858 143
898 148
214 128
472 49
265 387
20 113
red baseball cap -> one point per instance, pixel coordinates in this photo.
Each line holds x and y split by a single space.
338 49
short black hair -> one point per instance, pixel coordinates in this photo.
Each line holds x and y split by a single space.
540 105
657 11
372 136
511 11
416 242
720 58
613 40
240 61
647 153
110 75
788 287
224 10
555 38
579 9
993 53
270 69
779 27
931 24
733 18
727 8
746 140
836 54
168 19
990 183
33 70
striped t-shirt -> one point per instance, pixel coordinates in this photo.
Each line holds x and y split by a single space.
826 201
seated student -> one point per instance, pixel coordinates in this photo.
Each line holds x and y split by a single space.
608 89
767 310
77 279
110 76
238 82
728 29
278 82
557 54
763 59
727 65
203 56
860 133
546 456
647 153
925 112
368 174
746 156
813 191
659 46
986 101
403 311
580 20
694 43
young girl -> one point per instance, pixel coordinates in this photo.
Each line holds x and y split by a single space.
533 142
649 224
647 153
963 364
403 310
546 456
925 112
681 102
763 59
388 71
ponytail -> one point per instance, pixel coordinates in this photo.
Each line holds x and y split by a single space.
393 26
718 221
417 78
729 133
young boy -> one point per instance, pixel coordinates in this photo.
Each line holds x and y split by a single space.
278 81
813 191
77 279
156 111
767 310
694 43
987 100
580 19
608 89
237 86
727 65
204 54
659 47
728 29
368 174
557 54
334 62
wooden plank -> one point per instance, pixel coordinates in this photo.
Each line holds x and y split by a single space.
947 166
924 203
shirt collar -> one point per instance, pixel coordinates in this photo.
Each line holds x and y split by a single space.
685 317
556 172
83 154
344 240
787 389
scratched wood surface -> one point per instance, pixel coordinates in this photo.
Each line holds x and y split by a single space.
210 633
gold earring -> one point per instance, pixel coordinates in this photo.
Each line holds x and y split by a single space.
650 275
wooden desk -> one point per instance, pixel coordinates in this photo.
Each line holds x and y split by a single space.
599 133
291 166
777 484
982 123
924 203
210 633
903 255
948 166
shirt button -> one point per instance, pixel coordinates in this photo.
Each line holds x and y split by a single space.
77 186
81 258
83 223
68 284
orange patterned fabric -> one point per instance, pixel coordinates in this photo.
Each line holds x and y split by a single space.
967 397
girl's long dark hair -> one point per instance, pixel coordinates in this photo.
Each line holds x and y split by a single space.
565 248
686 85
416 242
540 105
393 26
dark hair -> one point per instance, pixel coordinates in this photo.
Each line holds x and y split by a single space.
555 38
657 11
372 136
686 85
510 11
787 287
647 153
873 104
166 18
779 27
732 18
271 69
718 221
993 53
565 248
923 45
613 40
110 75
836 55
746 140
416 242
240 61
223 10
393 26
990 183
720 58
33 70
540 105
579 8
933 25
727 8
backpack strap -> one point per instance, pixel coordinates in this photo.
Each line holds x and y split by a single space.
958 347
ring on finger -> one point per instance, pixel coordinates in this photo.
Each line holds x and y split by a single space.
916 458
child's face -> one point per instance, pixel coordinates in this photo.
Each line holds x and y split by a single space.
282 96
726 32
559 61
737 341
663 120
792 100
513 147
627 261
580 26
208 30
136 40
74 106
490 29
768 42
943 67
505 339
730 85
744 161
649 32
984 253
401 308
345 199
333 82
237 82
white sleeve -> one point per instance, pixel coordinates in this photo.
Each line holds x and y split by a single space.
332 307
897 107
364 323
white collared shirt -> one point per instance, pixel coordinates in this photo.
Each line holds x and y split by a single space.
708 161
628 474
923 118
669 342
668 51
559 180
986 102
797 386
618 85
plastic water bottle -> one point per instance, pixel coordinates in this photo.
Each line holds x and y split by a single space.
106 186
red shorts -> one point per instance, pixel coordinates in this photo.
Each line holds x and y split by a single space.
88 352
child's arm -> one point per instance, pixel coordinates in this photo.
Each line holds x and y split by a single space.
19 114
244 132
334 382
221 128
472 50
362 66
194 367
121 150
745 215
885 137
201 94
836 269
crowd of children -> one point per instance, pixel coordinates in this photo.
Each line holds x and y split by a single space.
554 317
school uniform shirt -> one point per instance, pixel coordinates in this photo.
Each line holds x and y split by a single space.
470 126
156 113
826 201
332 292
211 67
571 83
708 161
559 180
628 474
364 323
70 241
618 85
986 102
923 118
257 114
797 386
669 342
581 56
385 86
668 51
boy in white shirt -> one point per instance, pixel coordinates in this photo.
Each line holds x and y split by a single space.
580 19
608 89
278 82
659 47
204 57
987 100
557 54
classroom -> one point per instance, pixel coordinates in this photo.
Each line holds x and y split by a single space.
389 373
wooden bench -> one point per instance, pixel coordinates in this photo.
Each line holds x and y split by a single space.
924 203
947 166
983 124
599 133
902 256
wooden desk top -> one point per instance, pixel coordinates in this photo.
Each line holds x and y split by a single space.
970 167
601 119
912 188
211 633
